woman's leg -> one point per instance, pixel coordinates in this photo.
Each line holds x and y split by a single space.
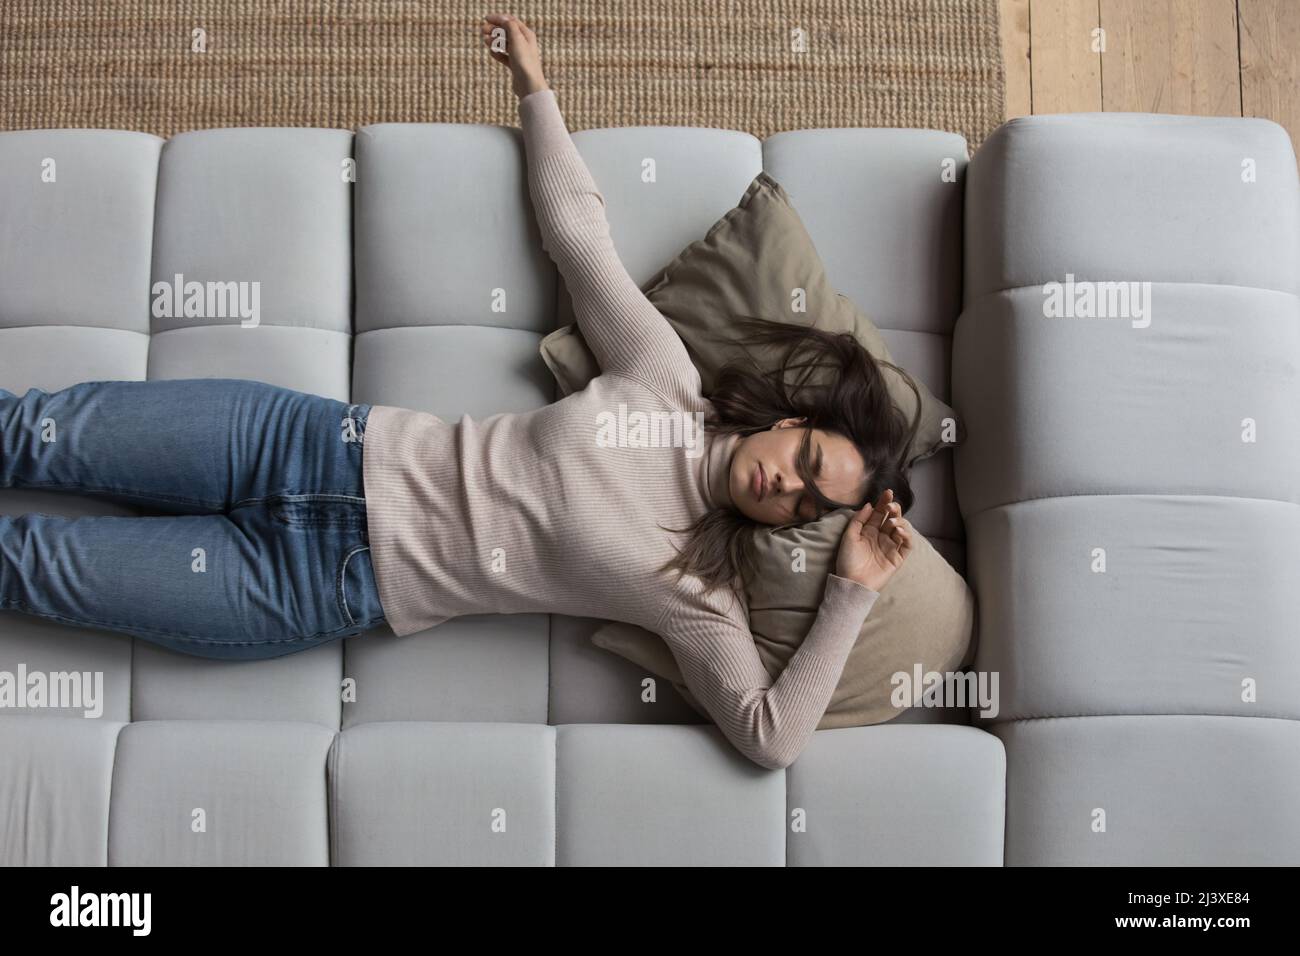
269 579
189 446
284 568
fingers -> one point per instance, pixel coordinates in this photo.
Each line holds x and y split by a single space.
889 529
511 22
902 534
894 540
514 27
893 533
892 526
887 508
901 537
491 22
860 518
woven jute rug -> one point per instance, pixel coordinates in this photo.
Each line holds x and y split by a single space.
759 66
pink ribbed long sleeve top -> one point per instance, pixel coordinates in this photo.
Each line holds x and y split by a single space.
533 513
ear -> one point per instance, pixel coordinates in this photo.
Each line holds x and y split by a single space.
790 422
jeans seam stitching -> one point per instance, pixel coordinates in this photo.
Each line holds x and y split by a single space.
131 629
356 499
92 489
342 584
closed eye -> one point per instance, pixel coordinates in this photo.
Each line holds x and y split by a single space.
807 499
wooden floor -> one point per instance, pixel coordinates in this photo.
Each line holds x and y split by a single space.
1209 57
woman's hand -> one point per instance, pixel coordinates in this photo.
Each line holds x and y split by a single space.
523 55
875 543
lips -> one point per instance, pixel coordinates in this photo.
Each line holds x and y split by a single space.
759 482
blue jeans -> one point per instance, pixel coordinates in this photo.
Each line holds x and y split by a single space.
260 549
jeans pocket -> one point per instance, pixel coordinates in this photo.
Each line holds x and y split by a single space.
358 594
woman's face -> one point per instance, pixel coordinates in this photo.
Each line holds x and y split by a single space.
765 481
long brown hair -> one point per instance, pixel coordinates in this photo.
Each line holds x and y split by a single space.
840 387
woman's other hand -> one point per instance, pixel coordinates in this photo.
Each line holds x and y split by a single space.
522 53
875 543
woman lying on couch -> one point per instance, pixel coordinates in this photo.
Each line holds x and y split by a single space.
292 520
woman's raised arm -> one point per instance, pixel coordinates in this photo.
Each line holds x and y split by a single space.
622 327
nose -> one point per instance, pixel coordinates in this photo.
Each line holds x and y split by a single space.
786 483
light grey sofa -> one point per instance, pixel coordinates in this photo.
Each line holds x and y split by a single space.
1120 691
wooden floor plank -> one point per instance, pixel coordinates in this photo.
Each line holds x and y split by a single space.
1065 67
1270 62
1171 56
1015 54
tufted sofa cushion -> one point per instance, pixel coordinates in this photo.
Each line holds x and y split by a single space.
1131 487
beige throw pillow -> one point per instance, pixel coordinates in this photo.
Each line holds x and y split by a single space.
924 618
749 263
